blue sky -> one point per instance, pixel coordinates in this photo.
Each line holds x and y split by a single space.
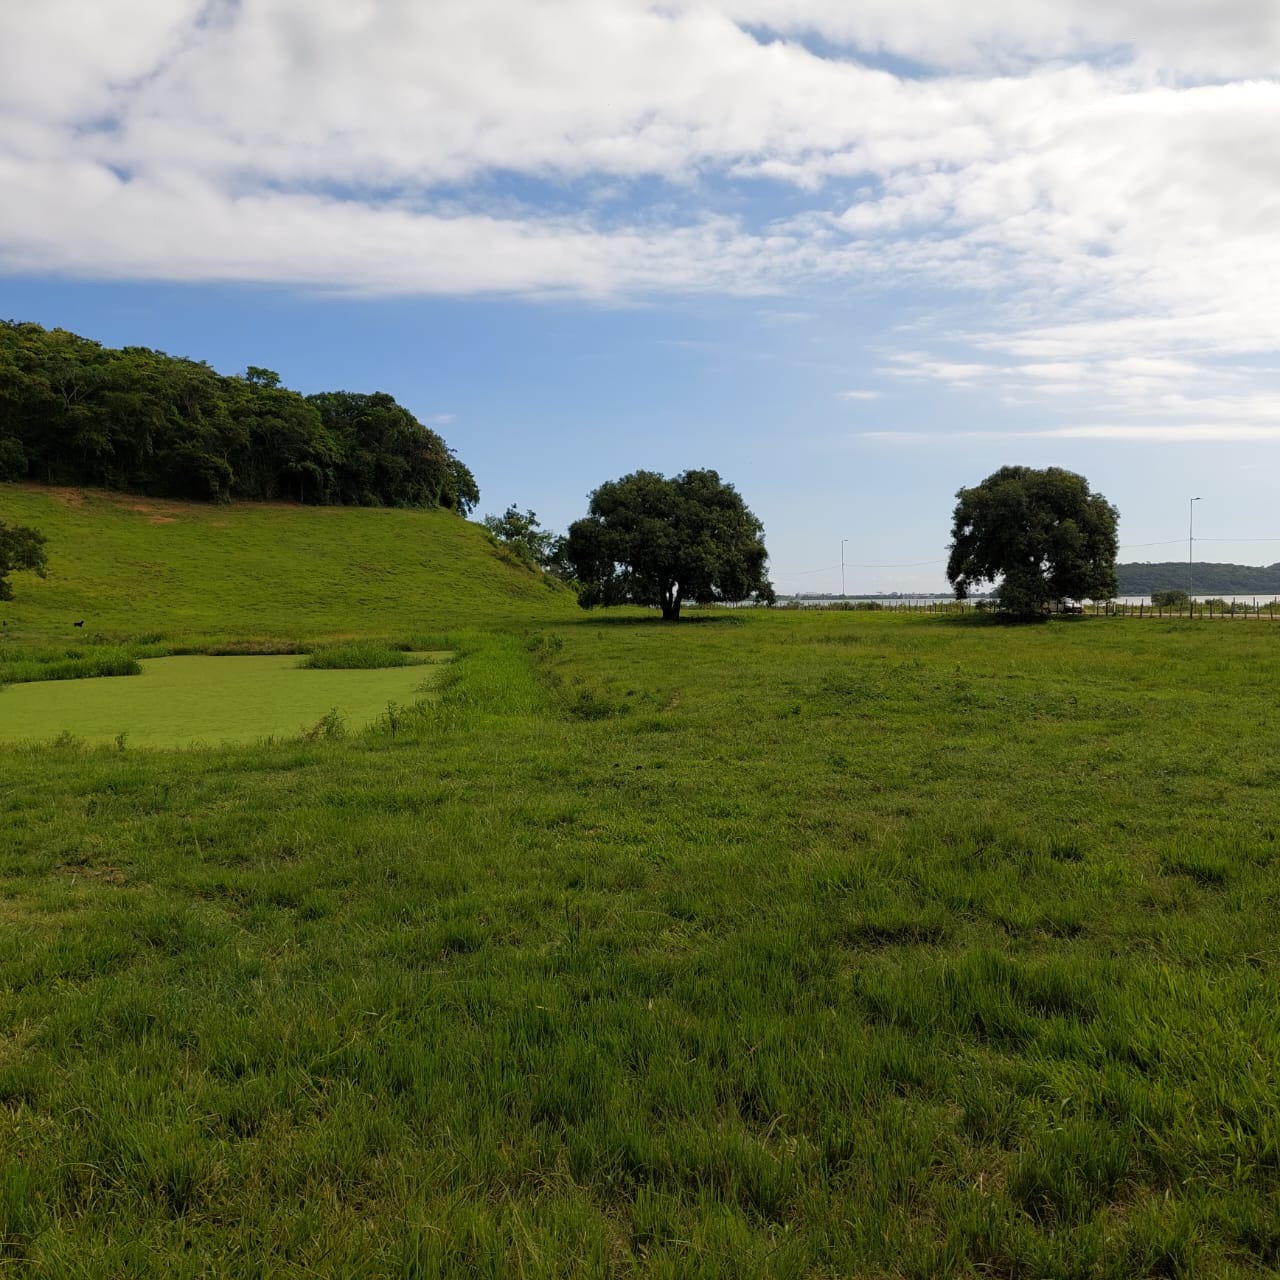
851 256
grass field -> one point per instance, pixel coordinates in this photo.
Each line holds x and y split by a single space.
768 944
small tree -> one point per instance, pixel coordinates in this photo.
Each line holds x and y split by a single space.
1171 599
651 540
1041 533
21 548
524 535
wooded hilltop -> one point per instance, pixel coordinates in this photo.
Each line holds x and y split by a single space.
75 412
1219 579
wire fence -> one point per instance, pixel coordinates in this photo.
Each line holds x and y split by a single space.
1213 607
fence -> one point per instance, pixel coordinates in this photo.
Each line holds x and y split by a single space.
1216 607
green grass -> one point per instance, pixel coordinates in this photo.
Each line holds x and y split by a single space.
18 666
125 566
187 701
777 945
360 655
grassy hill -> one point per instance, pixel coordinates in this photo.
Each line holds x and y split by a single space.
130 565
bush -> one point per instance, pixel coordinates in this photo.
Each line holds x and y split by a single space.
73 665
1170 599
361 656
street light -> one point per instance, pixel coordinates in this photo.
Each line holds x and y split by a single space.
1191 573
842 542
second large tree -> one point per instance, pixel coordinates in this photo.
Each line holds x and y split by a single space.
650 540
1042 534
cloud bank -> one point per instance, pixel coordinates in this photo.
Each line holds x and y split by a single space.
1100 180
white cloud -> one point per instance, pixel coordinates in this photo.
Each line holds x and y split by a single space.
187 229
1132 432
918 365
1221 37
861 395
1114 219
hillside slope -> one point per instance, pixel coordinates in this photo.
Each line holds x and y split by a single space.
128 564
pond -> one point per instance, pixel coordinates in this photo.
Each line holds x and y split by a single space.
188 701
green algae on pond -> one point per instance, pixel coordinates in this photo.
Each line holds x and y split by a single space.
191 700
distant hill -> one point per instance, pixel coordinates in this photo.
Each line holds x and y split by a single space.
130 565
1222 579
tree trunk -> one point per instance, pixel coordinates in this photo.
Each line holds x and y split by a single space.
671 604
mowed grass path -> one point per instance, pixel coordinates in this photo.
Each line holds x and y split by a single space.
185 701
789 945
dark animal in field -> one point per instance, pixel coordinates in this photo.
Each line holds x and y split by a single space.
78 624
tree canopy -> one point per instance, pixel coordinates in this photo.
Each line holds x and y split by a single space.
650 540
521 533
75 412
1041 533
21 548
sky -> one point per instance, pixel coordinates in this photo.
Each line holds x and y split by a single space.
852 254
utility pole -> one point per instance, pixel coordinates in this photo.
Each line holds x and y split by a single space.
1191 573
842 542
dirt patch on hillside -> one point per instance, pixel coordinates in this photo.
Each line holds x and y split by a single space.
156 511
68 497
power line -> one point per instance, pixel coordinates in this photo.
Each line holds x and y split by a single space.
916 564
923 564
800 573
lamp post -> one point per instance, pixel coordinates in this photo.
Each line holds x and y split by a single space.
1191 573
842 542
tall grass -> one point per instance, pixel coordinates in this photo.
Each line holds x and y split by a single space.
36 663
358 655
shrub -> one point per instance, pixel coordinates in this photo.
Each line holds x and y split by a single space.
73 665
363 656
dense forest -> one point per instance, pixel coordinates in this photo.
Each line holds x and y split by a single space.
75 412
1219 579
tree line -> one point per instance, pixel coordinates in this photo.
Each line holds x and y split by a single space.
75 412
